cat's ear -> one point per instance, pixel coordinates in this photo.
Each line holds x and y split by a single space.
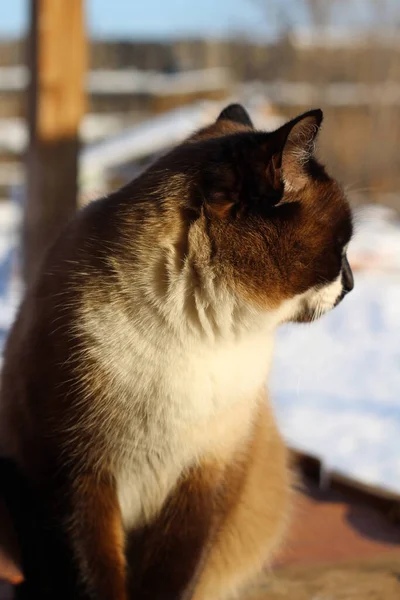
237 114
295 143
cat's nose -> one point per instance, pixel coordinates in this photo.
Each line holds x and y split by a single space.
347 276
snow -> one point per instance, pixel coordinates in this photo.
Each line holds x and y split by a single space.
295 93
134 81
14 79
94 126
131 80
335 384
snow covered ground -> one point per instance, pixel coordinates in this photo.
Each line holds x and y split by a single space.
335 383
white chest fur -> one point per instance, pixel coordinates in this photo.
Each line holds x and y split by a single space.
179 405
201 406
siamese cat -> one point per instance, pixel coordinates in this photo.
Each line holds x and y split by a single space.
142 455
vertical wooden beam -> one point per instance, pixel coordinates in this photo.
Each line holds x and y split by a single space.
58 61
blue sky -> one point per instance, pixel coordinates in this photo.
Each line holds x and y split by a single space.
155 18
201 18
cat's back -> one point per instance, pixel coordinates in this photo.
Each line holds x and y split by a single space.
44 345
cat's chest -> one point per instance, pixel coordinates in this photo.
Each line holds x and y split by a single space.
198 406
172 401
174 380
197 384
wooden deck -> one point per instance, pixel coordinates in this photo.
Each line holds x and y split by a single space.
373 579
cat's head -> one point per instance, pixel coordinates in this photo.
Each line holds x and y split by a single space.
277 224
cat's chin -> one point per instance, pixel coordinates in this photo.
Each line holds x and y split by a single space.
309 315
321 301
306 316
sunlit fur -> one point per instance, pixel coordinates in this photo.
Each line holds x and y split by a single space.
133 388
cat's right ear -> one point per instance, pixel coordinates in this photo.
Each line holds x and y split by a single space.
236 113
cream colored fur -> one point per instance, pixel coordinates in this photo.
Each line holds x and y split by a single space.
196 358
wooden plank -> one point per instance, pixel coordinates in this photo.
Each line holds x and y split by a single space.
369 579
378 498
58 62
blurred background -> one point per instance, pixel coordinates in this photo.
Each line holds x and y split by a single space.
88 97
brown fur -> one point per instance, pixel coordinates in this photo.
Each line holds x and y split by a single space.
248 215
220 523
258 515
167 555
98 533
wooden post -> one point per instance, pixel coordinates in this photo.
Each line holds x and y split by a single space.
58 61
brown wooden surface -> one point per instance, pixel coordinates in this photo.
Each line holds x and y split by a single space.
329 527
373 579
57 60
